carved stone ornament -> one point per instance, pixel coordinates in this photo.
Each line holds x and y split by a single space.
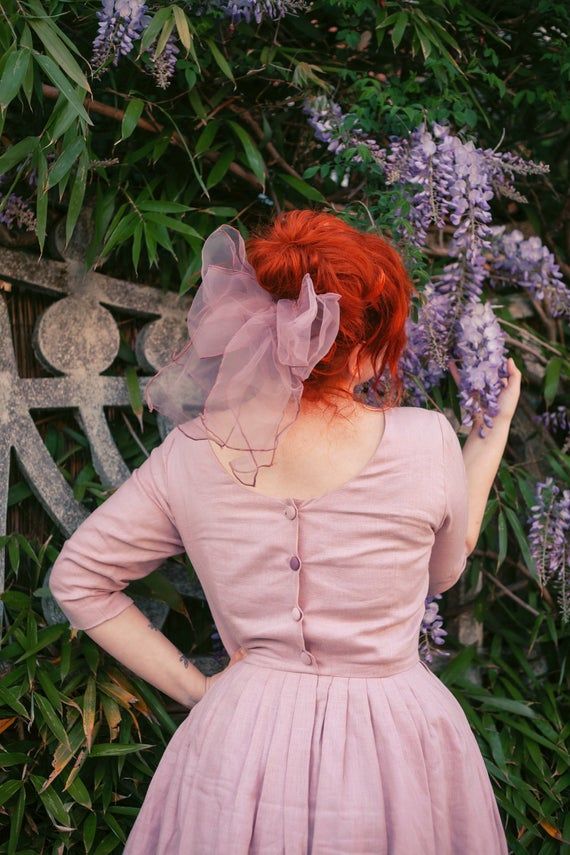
76 339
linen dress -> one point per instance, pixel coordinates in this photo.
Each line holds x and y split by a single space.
330 737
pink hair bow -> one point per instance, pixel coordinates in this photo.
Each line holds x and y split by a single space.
246 358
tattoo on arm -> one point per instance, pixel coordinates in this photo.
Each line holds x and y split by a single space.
184 659
152 626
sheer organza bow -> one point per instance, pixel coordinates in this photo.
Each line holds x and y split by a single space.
242 369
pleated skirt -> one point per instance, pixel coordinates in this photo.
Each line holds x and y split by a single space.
275 762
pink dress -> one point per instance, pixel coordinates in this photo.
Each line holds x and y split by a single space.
331 737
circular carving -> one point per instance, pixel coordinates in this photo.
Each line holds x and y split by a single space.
76 334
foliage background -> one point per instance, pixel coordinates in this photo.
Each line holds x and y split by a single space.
227 141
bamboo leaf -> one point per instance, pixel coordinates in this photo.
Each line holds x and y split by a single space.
65 161
50 718
48 35
117 750
62 83
17 152
77 195
552 379
252 153
399 28
133 113
220 168
220 60
303 188
13 75
182 27
174 225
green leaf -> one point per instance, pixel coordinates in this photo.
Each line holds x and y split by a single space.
206 138
220 59
522 541
132 382
220 168
46 637
182 27
252 153
13 75
48 34
508 705
77 195
79 793
17 152
155 26
131 117
51 800
62 83
41 197
162 206
16 819
136 248
9 699
65 161
51 718
163 38
399 28
303 188
174 225
503 539
117 750
552 379
8 789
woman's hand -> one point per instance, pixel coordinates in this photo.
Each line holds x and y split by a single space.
237 657
508 397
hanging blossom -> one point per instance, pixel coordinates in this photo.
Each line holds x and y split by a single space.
549 539
446 180
164 65
530 265
431 630
257 10
333 127
15 213
121 24
480 346
557 419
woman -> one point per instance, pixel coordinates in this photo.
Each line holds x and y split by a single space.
316 545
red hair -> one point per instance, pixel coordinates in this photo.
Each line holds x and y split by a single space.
363 267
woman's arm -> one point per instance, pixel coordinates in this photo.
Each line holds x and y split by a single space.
127 537
482 456
135 642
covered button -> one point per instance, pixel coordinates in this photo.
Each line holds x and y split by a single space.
296 613
290 512
294 563
306 657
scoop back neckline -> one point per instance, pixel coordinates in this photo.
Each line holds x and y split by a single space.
315 499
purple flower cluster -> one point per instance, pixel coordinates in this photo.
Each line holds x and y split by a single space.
257 10
529 264
557 419
339 131
549 539
164 65
431 630
443 179
121 24
15 213
480 347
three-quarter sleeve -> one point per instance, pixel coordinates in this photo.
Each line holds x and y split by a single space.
125 538
449 553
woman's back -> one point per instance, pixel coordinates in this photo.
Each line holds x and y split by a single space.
331 735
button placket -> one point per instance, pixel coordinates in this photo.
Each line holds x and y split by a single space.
295 564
